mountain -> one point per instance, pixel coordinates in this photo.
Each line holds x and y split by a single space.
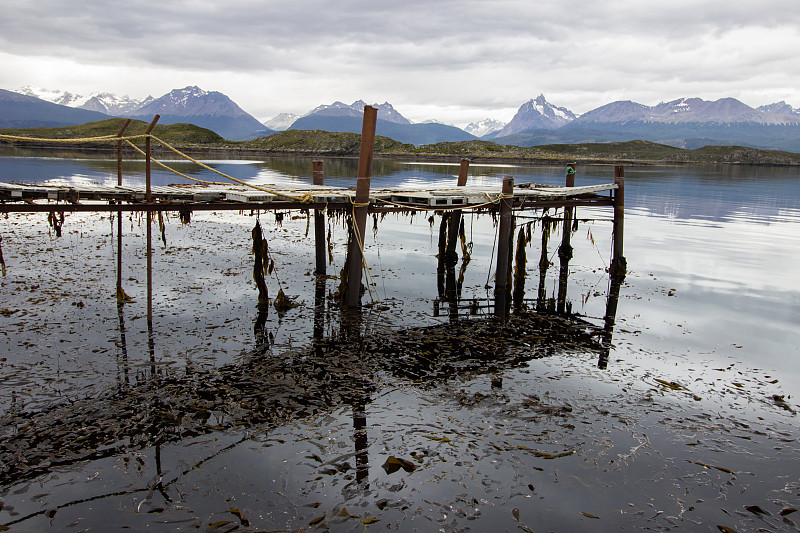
484 127
54 96
356 109
684 123
405 133
537 114
107 103
208 109
340 117
780 108
683 110
23 111
281 121
114 105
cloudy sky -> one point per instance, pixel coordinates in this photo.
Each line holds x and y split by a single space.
457 61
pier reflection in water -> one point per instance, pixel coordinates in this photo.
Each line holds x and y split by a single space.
344 365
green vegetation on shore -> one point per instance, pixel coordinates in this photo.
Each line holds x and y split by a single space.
171 133
323 143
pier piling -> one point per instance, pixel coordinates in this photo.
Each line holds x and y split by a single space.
565 250
318 178
149 216
454 220
504 234
355 251
120 292
619 266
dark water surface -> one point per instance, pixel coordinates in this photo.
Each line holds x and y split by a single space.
405 418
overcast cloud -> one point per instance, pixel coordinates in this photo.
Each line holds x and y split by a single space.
456 61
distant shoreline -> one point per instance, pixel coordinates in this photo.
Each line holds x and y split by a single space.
231 152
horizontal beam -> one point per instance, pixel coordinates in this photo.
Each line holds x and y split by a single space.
272 206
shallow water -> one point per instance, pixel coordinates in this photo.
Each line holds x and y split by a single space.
215 421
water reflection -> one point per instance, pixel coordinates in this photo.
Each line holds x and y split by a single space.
731 281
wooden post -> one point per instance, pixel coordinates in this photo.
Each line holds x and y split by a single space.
544 265
119 214
619 266
355 251
319 222
148 193
503 248
149 214
119 151
454 220
565 250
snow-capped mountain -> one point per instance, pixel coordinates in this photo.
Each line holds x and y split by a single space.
54 96
25 111
780 108
281 121
114 105
207 109
537 114
484 127
339 109
107 103
691 110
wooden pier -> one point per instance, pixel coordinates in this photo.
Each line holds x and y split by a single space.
504 199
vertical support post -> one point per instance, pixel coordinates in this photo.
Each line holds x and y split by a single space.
318 178
119 150
355 248
501 292
544 265
148 192
619 265
565 250
455 217
120 293
149 214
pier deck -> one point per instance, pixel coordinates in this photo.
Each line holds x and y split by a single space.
24 198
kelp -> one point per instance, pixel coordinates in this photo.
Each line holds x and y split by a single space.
162 227
2 261
262 264
56 221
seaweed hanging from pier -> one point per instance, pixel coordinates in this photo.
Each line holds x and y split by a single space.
2 261
162 228
185 215
521 260
261 265
56 221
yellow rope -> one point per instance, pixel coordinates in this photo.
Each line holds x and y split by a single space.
364 265
357 204
102 138
306 198
157 162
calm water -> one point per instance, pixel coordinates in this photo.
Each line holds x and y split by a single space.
690 425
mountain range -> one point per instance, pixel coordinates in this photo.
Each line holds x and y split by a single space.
685 122
208 109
